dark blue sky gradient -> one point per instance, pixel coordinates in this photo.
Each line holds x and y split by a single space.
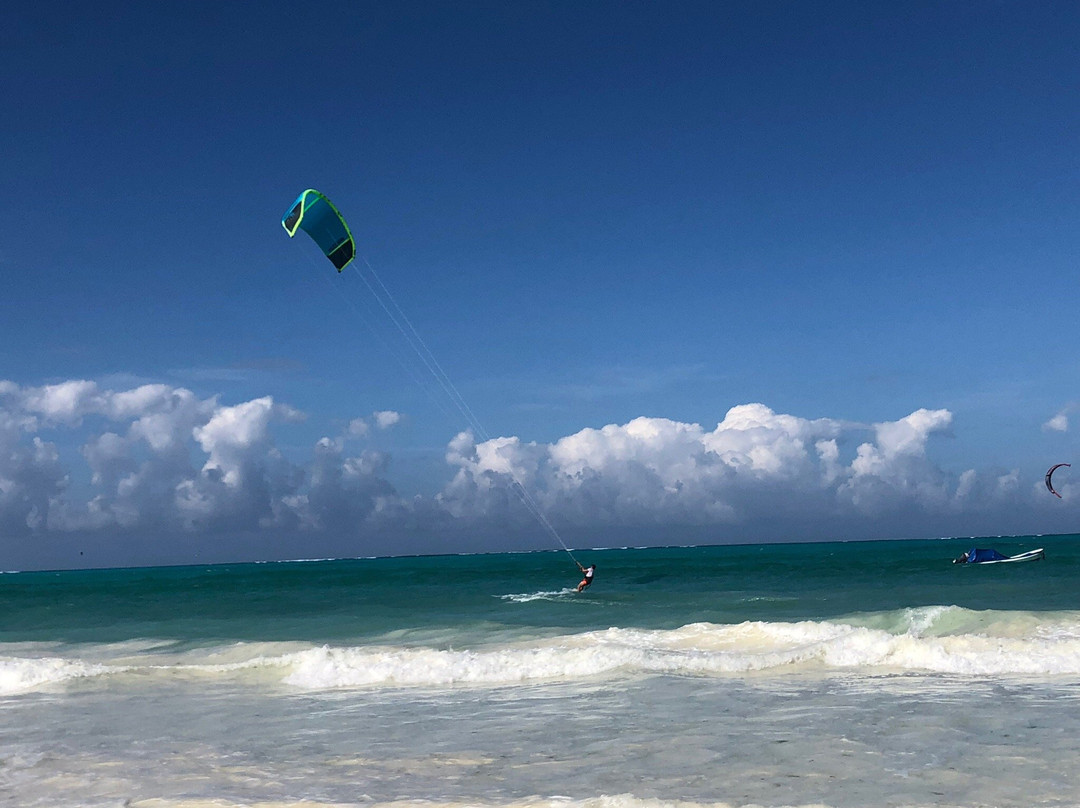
591 211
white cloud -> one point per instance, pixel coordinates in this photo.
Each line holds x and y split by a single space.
165 460
909 435
1059 423
230 436
755 466
967 484
65 403
360 427
109 456
385 419
154 460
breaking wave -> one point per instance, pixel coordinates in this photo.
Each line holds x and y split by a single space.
940 640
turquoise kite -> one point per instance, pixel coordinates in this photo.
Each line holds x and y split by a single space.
316 215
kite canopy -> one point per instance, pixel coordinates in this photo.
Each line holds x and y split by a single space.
1050 474
316 215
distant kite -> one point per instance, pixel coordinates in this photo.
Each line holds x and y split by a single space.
1050 473
316 215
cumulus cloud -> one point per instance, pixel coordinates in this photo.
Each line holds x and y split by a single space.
164 461
386 418
755 464
361 427
157 461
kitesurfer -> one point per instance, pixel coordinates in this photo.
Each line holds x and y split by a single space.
588 572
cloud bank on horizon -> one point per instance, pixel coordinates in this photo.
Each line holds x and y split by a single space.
158 463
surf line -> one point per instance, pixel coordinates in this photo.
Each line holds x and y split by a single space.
412 337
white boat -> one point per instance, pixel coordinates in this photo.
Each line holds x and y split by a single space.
979 555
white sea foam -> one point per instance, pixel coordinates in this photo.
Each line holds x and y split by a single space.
19 675
710 649
605 801
940 640
31 668
554 594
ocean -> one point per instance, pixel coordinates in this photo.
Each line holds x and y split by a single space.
828 674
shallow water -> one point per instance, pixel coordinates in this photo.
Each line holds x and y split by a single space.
808 675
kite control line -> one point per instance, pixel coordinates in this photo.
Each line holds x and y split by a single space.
317 216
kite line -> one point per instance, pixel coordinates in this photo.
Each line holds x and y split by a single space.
317 216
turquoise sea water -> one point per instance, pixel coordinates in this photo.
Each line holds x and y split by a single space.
840 674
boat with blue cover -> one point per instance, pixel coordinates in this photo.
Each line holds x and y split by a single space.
981 555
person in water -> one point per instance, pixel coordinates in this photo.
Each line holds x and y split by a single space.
588 572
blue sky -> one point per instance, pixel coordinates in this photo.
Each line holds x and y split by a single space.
612 223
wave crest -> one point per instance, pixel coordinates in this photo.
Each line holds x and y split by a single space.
942 640
20 674
999 645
